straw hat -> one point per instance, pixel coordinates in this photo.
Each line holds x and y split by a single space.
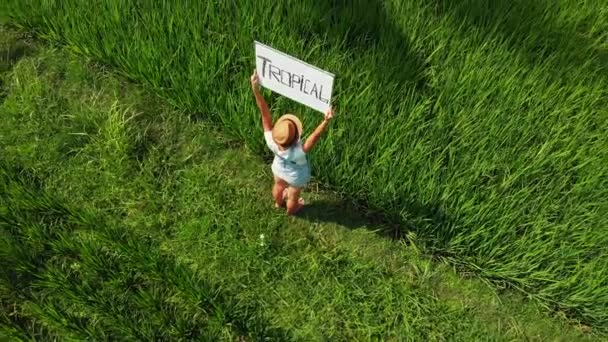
287 129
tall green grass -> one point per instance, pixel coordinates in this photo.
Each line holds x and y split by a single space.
480 124
121 219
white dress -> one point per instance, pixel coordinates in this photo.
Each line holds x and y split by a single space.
291 165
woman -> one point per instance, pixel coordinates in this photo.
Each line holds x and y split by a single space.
290 166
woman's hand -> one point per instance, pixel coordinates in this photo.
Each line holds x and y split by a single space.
262 105
329 114
255 81
314 137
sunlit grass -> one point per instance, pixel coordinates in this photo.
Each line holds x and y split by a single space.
120 218
480 125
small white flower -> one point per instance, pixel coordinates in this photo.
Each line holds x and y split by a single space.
262 240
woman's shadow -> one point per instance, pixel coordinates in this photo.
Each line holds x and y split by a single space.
351 216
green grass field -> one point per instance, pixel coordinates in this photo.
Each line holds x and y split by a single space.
121 218
479 126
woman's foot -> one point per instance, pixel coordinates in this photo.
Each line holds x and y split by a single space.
297 208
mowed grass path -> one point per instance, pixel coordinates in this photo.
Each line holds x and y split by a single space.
120 218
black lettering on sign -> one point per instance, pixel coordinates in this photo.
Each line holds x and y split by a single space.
275 71
321 95
288 74
266 60
314 90
293 81
302 83
305 83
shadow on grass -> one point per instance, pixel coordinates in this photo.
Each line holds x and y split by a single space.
12 49
10 53
354 216
364 29
528 27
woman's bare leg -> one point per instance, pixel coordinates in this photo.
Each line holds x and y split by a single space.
294 202
278 191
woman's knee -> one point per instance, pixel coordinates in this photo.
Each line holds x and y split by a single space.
294 193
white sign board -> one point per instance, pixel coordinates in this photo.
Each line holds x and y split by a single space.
293 78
